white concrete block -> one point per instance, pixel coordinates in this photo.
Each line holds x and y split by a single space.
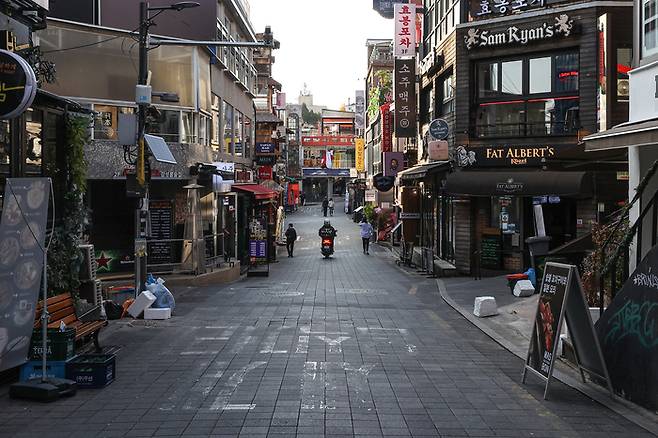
485 306
162 313
143 301
524 288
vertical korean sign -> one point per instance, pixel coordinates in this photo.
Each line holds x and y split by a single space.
405 30
359 154
405 98
387 135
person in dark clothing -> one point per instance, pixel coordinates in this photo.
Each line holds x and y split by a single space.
302 198
325 206
291 236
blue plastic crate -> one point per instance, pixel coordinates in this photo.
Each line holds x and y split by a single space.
54 368
92 370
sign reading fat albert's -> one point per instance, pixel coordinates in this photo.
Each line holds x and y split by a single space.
562 26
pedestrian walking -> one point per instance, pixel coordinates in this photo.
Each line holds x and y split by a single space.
291 237
325 206
302 198
331 206
366 234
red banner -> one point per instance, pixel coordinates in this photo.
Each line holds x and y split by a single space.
265 172
328 140
387 128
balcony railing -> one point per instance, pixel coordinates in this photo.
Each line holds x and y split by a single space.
524 129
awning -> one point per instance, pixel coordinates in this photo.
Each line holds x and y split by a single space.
422 170
537 183
267 117
257 190
621 136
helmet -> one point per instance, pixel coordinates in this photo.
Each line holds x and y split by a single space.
327 223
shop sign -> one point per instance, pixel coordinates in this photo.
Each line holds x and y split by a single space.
405 30
243 176
18 85
371 195
387 134
265 148
265 173
438 150
393 163
562 26
265 160
405 98
481 9
510 186
505 156
360 154
439 129
328 140
384 7
407 216
383 183
312 172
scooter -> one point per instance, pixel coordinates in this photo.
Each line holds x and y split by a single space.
327 247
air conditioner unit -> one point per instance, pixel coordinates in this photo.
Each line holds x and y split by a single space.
623 87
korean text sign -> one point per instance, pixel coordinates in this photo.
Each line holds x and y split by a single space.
405 30
405 98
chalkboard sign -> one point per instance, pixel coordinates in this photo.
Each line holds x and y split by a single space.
628 331
491 255
162 224
561 296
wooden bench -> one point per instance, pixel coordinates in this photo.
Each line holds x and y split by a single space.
61 308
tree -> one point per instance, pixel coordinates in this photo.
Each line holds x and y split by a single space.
309 116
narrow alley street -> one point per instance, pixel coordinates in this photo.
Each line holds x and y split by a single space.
350 346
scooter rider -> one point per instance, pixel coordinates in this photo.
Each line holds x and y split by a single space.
327 230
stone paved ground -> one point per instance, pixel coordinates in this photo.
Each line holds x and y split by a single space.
350 346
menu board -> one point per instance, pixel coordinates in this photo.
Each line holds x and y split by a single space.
491 255
22 239
162 224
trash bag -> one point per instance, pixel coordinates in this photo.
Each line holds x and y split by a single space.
163 297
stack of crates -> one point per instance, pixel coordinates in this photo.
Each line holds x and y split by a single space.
60 349
90 286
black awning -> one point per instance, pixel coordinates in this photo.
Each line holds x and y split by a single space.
420 171
621 136
537 183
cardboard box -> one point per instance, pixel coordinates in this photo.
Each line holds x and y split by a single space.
143 302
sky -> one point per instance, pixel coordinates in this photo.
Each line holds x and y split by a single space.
323 44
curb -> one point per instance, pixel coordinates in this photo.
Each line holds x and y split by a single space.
631 412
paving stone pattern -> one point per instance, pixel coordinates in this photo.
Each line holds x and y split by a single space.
351 346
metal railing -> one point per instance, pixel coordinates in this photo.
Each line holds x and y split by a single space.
615 253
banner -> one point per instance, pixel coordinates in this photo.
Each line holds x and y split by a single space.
405 98
360 154
387 134
393 163
22 237
405 30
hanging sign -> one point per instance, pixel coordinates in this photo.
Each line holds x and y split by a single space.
561 26
371 195
481 9
393 163
439 129
265 172
438 150
561 297
405 30
405 98
387 128
360 154
18 85
265 148
384 7
383 183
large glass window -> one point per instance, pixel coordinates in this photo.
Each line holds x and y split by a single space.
216 122
239 134
249 135
540 75
166 124
228 128
188 134
488 79
546 102
649 27
512 77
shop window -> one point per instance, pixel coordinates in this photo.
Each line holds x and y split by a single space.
249 135
505 214
649 27
166 124
188 134
216 122
447 95
540 75
487 79
34 150
512 77
566 72
228 128
205 128
547 104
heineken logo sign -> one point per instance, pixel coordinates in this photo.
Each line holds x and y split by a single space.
562 26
